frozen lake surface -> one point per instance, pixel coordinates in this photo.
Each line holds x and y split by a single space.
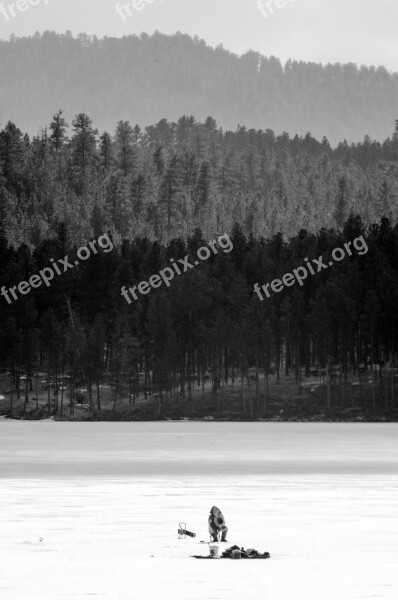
91 510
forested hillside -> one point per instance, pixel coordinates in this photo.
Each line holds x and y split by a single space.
162 192
146 78
172 177
208 326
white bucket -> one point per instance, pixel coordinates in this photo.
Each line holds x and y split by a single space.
214 551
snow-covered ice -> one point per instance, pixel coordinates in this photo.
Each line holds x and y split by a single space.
91 510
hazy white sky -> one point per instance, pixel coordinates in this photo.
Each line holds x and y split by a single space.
361 31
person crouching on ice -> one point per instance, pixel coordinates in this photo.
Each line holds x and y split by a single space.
217 525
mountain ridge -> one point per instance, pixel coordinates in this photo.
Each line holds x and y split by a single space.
145 78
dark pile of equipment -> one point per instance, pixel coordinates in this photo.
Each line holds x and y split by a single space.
236 552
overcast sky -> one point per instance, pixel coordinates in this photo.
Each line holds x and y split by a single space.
360 31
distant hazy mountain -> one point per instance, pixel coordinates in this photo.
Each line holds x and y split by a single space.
143 79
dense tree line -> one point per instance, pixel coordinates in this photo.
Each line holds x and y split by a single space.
166 180
144 78
208 323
